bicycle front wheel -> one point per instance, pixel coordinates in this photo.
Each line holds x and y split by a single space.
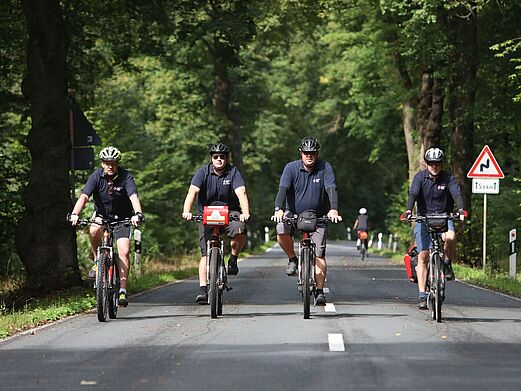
438 287
102 288
113 293
213 295
306 280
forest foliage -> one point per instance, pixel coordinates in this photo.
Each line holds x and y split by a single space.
162 80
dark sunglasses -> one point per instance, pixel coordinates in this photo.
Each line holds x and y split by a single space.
220 157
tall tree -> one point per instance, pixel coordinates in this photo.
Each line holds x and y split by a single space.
45 243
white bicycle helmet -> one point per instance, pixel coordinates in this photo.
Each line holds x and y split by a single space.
362 211
110 154
434 155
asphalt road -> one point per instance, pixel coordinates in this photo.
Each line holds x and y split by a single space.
369 337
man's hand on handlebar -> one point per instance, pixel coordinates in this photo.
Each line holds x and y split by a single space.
244 217
278 216
187 216
73 218
463 214
406 215
334 216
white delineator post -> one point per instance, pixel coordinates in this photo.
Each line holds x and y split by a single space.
266 234
380 238
349 233
513 256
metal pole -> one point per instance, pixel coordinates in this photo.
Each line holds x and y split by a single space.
513 256
484 230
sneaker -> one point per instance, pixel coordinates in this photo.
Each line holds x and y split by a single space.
422 303
357 248
202 298
291 270
447 270
233 269
122 299
320 299
93 271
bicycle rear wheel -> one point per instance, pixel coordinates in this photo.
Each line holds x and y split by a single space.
362 250
113 293
306 280
102 288
213 287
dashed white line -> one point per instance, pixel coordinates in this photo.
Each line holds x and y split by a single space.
330 307
336 343
326 290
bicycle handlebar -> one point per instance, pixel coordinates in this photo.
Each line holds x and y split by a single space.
104 222
421 219
199 218
293 219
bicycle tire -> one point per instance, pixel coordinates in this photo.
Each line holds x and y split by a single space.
437 287
306 280
213 286
431 301
101 288
362 250
113 294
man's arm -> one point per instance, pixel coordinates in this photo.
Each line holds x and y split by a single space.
243 202
189 201
74 216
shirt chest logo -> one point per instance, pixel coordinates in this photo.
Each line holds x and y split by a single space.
226 181
441 187
316 180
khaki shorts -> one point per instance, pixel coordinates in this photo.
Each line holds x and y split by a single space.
319 237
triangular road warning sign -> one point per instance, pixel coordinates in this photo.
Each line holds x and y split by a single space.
485 166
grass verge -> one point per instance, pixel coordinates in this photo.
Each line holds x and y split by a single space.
499 282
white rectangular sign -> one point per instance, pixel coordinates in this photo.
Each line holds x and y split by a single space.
485 186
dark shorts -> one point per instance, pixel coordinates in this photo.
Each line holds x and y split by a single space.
120 231
233 229
422 236
319 237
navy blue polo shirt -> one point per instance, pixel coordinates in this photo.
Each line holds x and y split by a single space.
218 189
307 190
363 222
434 195
115 204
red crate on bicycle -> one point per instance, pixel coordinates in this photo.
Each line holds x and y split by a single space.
215 215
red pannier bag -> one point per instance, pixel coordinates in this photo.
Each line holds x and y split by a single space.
215 215
410 259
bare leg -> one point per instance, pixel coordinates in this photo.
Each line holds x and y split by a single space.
321 271
421 271
237 244
95 235
202 271
124 261
287 244
450 245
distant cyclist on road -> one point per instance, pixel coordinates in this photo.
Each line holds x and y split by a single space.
219 183
434 190
307 184
115 198
362 225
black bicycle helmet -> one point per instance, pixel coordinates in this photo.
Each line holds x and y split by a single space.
434 155
309 144
219 148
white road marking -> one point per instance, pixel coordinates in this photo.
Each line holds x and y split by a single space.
330 307
336 343
326 290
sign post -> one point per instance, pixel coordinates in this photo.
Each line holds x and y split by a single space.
485 174
512 251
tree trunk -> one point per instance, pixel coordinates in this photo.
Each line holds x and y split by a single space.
222 100
45 242
463 33
408 121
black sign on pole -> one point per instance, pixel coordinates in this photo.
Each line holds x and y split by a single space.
84 133
83 158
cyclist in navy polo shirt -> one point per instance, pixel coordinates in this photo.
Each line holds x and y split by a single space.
308 183
115 198
219 183
434 190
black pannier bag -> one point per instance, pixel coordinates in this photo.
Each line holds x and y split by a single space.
307 221
437 223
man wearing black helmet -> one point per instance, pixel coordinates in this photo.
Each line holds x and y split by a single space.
115 197
434 191
219 183
307 184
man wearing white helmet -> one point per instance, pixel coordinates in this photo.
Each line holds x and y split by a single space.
115 197
362 226
434 191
